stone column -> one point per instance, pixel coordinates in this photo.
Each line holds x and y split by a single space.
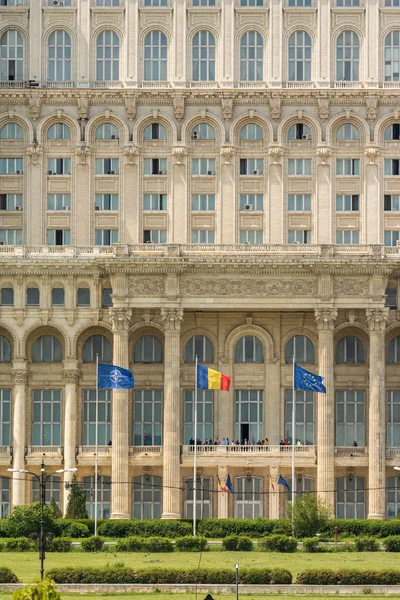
120 508
377 318
274 493
172 317
20 380
325 407
71 379
222 497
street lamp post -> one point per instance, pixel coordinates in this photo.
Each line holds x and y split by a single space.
42 480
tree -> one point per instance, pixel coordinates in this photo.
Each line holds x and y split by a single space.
25 520
310 514
76 508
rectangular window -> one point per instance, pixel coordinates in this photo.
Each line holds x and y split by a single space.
348 203
347 166
147 418
154 236
299 236
10 201
105 237
203 236
155 202
58 201
106 202
203 2
299 166
392 203
107 2
52 489
249 236
89 417
347 237
5 417
249 3
156 2
392 2
393 418
83 297
348 3
392 166
304 417
391 237
350 498
107 166
204 416
11 166
11 2
350 418
249 418
251 166
203 166
59 166
203 202
155 166
102 506
251 202
10 237
58 237
46 418
299 202
300 3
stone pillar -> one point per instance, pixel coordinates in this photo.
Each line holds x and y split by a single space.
20 380
325 407
377 318
274 493
222 497
71 379
120 508
172 317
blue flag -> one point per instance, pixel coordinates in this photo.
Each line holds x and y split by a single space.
228 484
111 377
282 481
304 380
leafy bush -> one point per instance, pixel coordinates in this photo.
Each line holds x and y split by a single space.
278 543
158 544
92 544
25 520
309 514
236 543
146 528
362 528
62 544
348 577
21 544
7 576
189 543
392 543
366 544
312 545
44 590
254 528
74 530
130 544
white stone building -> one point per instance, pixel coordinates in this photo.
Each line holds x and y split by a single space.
210 177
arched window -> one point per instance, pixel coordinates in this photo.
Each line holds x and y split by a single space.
203 131
300 50
251 56
301 347
147 497
249 349
299 131
59 131
32 297
155 56
393 497
12 56
392 132
350 497
97 344
148 349
200 346
348 131
107 56
350 349
348 57
59 56
248 497
107 131
392 56
203 56
251 131
203 498
155 131
5 350
11 131
393 356
47 349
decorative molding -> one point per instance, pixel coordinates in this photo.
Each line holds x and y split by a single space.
171 318
227 107
35 103
179 106
325 318
19 376
323 108
372 152
276 151
120 318
130 105
82 151
377 318
146 286
227 151
255 288
34 151
71 376
130 151
324 152
83 106
275 105
372 107
179 152
350 287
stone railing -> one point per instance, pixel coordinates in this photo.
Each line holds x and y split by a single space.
6 450
145 450
222 450
47 450
351 450
91 450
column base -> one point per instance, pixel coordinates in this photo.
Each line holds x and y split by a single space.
120 515
171 516
376 516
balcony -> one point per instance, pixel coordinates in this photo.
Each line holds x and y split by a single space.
58 84
6 453
156 84
391 84
12 84
351 451
348 85
145 450
245 85
86 455
106 84
283 453
204 84
35 454
298 85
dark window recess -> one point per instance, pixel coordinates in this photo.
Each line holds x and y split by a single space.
7 297
32 297
355 202
106 299
243 166
396 131
11 70
387 203
83 297
57 296
391 298
3 201
299 128
146 236
59 237
395 166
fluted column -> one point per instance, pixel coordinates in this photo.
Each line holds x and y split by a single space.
325 407
172 318
20 380
71 379
222 497
377 318
120 508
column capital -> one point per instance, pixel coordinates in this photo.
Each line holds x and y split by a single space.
325 318
19 376
120 318
172 318
71 376
377 318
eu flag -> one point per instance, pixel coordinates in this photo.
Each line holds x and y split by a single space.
111 377
304 380
282 481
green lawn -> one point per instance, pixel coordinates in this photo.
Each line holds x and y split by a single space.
26 564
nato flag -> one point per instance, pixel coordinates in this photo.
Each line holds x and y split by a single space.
304 380
111 377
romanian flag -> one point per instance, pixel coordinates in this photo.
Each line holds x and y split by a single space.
222 487
228 487
208 379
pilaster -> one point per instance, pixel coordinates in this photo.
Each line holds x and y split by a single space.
274 493
222 497
20 381
71 380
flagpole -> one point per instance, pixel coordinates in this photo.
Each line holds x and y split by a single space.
96 458
195 451
293 436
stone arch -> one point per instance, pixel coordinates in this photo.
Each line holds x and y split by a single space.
356 329
311 335
300 26
141 124
209 118
86 331
46 122
60 26
334 38
199 331
382 124
12 338
106 117
334 124
242 330
189 54
25 124
381 48
265 38
286 124
245 119
37 330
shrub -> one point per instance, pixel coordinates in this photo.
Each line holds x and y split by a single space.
44 590
92 544
363 528
158 544
7 576
25 520
312 545
348 577
147 528
189 543
21 544
392 543
234 543
74 530
130 544
62 544
366 544
278 543
254 528
309 514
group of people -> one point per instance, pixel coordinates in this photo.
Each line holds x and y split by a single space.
228 442
287 442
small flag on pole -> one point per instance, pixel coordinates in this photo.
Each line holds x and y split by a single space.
282 481
305 380
111 377
208 379
222 487
228 487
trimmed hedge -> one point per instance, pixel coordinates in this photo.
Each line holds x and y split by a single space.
392 543
7 576
278 543
72 529
146 528
92 544
156 576
158 544
366 544
348 577
237 543
21 544
363 528
254 528
312 545
61 544
130 544
188 543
